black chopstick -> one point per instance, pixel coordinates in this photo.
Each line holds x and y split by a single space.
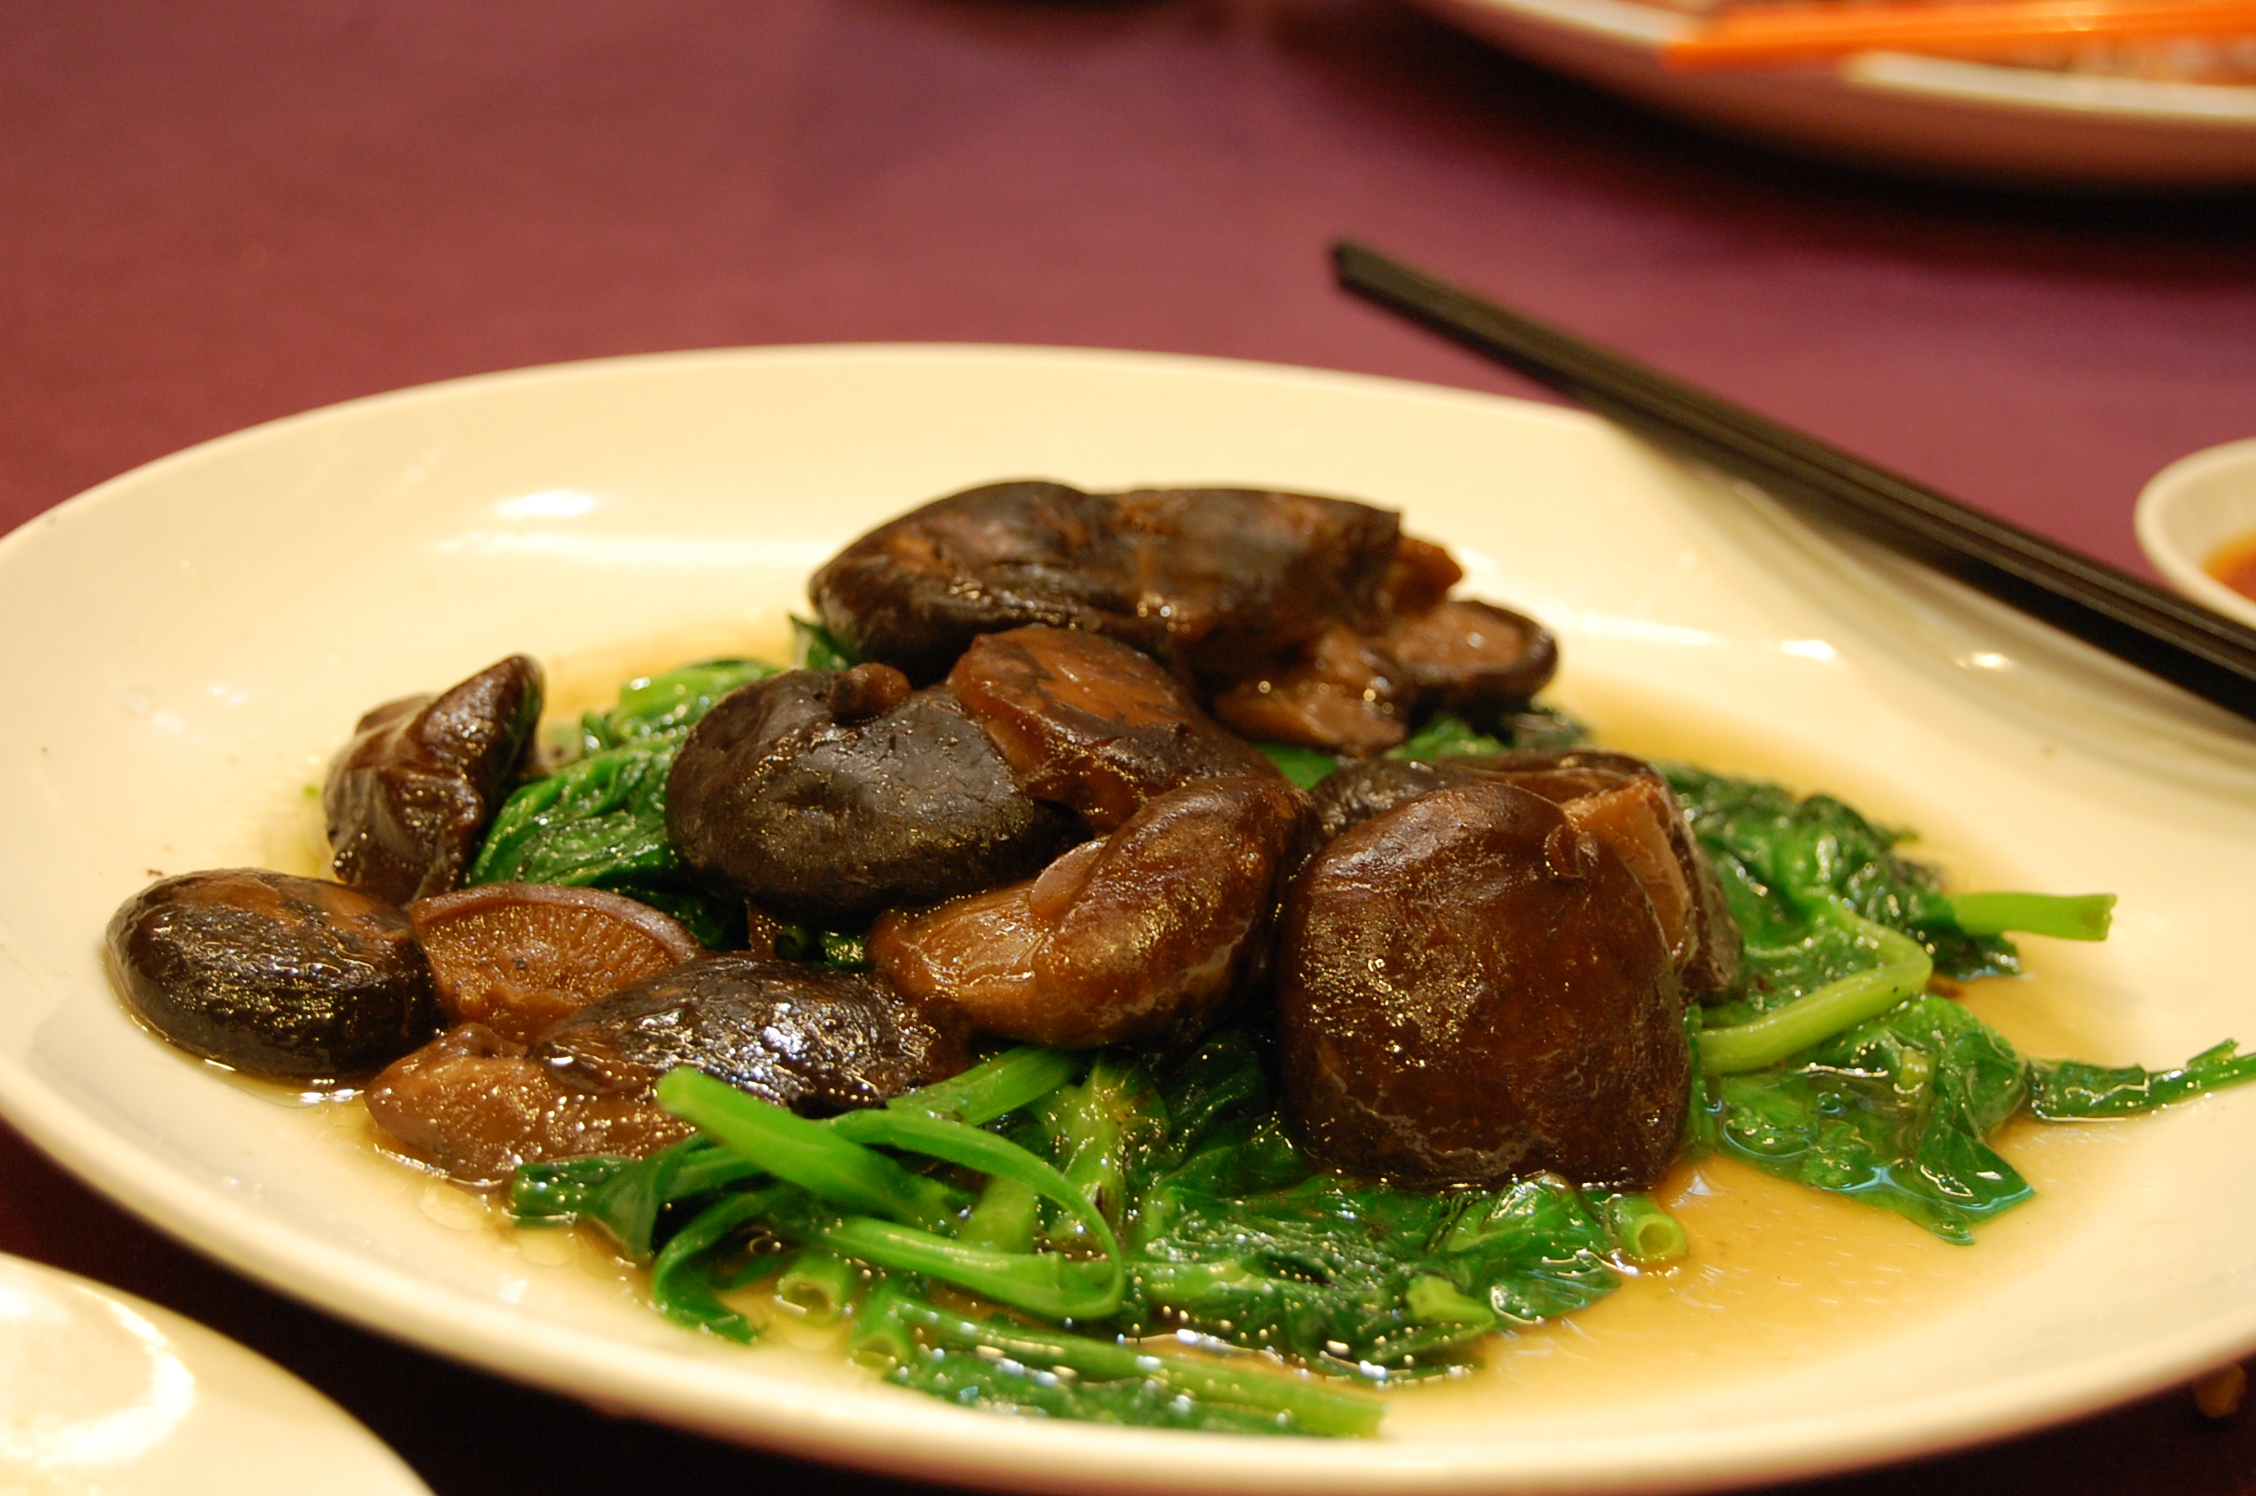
2158 631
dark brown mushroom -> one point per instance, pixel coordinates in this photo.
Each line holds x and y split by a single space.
1142 937
470 1104
806 1037
1619 799
1421 575
1342 694
272 974
1092 724
517 957
1215 580
1471 657
826 797
409 796
1470 988
1355 690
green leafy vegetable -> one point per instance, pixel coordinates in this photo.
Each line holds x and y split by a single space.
1894 1111
1098 1129
994 1087
1306 767
816 648
1783 859
1900 969
1447 736
1119 1195
600 821
1649 1236
834 1163
688 1276
1178 1203
819 1285
1236 1234
1538 729
1105 1382
666 706
816 1157
2069 1090
1444 735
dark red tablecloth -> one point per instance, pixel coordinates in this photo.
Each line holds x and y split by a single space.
212 215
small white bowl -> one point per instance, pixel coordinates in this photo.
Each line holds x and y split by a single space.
2192 509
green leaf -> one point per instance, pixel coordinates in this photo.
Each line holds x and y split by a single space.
1078 1376
816 648
1306 767
1894 1112
667 706
1900 968
1447 736
600 821
2070 1090
1783 858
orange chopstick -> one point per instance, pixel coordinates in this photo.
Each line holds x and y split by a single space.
1804 33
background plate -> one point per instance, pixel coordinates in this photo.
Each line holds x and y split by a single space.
1935 113
187 643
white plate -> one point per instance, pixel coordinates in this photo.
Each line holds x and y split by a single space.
1967 118
186 643
104 1392
2191 510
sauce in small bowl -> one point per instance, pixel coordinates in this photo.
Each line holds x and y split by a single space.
2234 564
2197 523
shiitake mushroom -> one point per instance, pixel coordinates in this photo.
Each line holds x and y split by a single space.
1141 937
1215 580
815 1040
472 1105
1619 799
826 797
517 957
1092 724
272 974
1469 988
409 796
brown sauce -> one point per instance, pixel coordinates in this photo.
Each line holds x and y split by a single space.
2234 564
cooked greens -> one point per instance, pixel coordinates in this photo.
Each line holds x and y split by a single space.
1116 1201
600 820
1834 1067
1445 735
1093 1202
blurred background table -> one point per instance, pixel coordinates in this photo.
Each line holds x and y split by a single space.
212 216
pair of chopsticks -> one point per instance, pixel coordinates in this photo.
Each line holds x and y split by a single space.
1770 35
2160 632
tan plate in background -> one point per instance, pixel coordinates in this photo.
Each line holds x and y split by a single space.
1931 114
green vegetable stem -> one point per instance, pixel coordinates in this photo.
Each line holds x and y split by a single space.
894 1321
819 1286
2079 917
994 1087
836 1162
1648 1235
1902 969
